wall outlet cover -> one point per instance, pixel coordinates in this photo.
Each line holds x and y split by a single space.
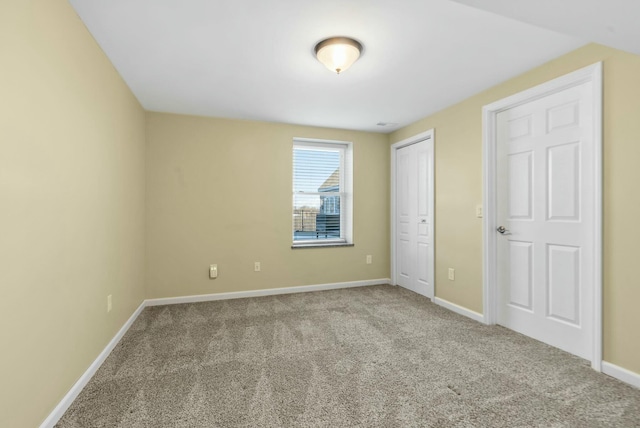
213 271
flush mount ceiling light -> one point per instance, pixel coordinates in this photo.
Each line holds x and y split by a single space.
338 53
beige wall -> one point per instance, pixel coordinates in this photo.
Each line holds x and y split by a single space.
458 165
219 191
71 205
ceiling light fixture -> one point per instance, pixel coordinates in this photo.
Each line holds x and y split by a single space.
338 53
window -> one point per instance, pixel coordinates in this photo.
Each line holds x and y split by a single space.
322 193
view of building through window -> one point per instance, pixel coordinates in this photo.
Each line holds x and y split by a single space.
317 192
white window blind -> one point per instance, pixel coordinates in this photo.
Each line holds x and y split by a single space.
320 175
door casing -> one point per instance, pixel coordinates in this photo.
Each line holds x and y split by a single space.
429 136
592 73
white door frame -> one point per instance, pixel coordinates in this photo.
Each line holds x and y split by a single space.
592 73
429 136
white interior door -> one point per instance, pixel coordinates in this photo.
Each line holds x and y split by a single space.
414 217
545 205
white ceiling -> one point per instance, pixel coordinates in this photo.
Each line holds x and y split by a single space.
253 59
609 22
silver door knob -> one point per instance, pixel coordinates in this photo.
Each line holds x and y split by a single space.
502 230
423 221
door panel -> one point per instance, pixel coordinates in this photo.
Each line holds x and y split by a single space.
423 182
544 171
521 274
562 116
563 192
519 127
563 283
424 220
405 259
403 188
414 218
521 185
403 210
423 269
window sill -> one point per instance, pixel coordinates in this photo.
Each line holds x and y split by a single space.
320 245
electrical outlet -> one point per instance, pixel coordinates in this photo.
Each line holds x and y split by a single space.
109 303
213 271
452 274
256 266
368 259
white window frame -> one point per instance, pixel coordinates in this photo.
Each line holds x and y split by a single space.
346 194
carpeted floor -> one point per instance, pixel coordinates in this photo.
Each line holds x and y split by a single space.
369 356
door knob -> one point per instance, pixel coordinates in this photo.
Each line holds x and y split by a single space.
503 230
423 221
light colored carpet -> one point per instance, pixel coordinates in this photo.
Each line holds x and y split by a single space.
370 356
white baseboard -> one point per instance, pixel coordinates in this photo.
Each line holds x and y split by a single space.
264 292
459 309
64 404
75 390
627 376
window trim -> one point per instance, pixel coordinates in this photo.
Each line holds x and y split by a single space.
346 195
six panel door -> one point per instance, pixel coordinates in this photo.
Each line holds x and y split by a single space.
545 174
